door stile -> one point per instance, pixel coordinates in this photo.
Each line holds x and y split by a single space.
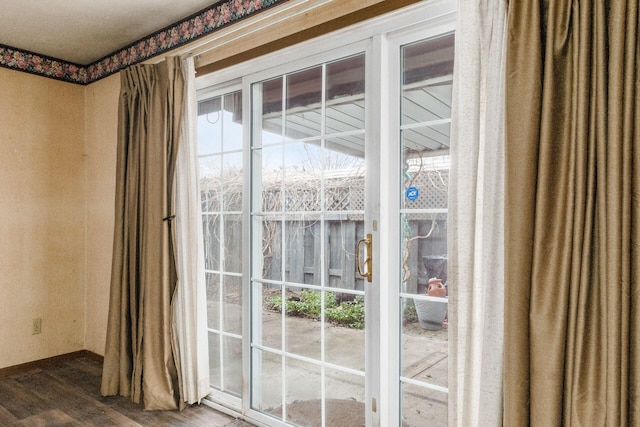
247 257
385 101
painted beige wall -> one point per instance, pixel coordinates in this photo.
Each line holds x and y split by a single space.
101 128
57 184
42 192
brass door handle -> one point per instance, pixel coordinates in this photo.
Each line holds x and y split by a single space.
368 273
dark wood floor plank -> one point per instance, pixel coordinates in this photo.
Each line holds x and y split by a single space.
85 374
6 417
84 408
20 401
67 393
54 417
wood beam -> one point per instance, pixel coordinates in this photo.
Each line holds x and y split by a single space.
309 22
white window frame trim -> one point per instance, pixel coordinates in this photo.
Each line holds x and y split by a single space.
381 38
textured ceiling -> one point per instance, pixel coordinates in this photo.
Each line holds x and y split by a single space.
83 31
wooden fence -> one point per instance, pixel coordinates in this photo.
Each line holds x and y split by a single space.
304 254
312 250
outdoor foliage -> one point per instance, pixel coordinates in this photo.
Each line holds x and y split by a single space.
349 313
409 314
308 304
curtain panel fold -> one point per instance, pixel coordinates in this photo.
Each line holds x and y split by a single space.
476 215
139 360
190 299
572 221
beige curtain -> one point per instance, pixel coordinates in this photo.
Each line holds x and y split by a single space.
139 359
476 217
190 298
572 225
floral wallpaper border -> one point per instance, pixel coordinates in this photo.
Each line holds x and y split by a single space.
218 15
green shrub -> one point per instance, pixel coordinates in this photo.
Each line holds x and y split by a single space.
275 303
308 303
349 313
409 315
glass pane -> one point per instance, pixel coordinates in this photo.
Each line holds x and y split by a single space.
345 95
211 233
424 251
423 407
232 304
215 371
210 183
344 330
425 341
267 316
232 365
233 243
344 405
345 154
427 138
220 175
340 259
426 80
304 107
427 68
436 95
232 181
303 177
312 252
267 136
271 108
232 126
425 182
301 265
270 184
267 383
304 391
303 308
267 233
213 301
308 204
344 174
209 126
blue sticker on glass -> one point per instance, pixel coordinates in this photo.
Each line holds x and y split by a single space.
412 193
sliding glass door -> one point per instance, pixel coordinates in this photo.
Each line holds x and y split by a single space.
425 116
220 137
324 173
307 213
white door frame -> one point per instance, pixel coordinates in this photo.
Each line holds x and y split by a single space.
380 39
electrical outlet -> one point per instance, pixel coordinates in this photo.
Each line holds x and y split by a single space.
36 326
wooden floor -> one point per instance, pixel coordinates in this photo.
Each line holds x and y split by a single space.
68 394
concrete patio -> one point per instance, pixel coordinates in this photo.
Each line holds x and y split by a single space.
424 358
